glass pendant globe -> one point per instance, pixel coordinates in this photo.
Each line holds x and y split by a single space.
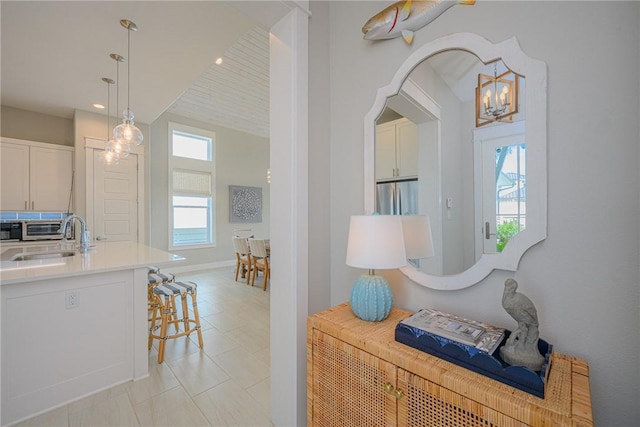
127 131
110 158
119 148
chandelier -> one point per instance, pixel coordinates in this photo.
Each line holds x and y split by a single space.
127 132
496 97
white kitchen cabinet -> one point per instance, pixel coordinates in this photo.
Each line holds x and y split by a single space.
14 176
35 176
396 150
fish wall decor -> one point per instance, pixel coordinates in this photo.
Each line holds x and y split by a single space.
406 16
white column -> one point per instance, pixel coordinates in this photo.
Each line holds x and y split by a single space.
289 217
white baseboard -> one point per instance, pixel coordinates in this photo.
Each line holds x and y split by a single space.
200 267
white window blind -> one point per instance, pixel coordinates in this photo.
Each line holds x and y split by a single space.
189 182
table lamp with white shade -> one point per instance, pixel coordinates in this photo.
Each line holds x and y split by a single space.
375 242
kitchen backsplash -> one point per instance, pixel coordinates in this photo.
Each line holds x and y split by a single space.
32 215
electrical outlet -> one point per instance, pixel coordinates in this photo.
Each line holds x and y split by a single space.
71 299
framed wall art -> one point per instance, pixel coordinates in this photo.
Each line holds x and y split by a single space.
245 204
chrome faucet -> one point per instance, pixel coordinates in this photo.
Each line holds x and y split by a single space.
84 235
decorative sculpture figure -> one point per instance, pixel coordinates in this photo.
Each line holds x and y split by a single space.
521 347
406 16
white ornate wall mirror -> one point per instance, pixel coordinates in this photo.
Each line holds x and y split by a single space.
484 188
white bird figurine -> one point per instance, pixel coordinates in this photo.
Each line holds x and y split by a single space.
406 16
518 305
521 347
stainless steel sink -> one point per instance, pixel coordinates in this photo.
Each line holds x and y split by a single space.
42 255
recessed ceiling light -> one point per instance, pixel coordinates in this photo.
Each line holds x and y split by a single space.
99 106
219 61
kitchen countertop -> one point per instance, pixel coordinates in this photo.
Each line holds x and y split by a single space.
102 257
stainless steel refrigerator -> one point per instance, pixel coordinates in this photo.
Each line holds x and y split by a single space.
397 197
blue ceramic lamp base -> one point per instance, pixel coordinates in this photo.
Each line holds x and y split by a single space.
371 298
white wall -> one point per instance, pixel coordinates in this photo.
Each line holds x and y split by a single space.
456 170
584 278
241 159
319 158
23 124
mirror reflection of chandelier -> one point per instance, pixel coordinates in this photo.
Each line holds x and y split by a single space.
496 97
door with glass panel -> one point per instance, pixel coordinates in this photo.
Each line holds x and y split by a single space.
504 181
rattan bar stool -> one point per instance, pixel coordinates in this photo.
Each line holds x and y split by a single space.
153 269
155 278
164 295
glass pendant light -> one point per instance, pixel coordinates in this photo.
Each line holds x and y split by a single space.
127 132
117 147
109 157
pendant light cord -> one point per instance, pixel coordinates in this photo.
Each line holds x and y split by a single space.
108 110
128 73
117 86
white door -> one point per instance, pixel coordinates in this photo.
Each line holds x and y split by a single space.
115 199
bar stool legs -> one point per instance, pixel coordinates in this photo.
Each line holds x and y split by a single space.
164 297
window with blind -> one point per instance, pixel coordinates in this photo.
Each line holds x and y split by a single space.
192 177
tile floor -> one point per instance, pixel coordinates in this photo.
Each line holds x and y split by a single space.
224 384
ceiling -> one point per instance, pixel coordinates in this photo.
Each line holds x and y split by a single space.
234 94
55 53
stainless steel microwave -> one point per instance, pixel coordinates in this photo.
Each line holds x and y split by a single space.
10 231
45 230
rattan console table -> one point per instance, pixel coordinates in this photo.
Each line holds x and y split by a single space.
358 375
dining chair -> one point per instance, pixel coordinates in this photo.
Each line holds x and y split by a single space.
243 257
260 260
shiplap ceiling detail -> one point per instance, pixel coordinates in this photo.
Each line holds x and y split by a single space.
234 94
